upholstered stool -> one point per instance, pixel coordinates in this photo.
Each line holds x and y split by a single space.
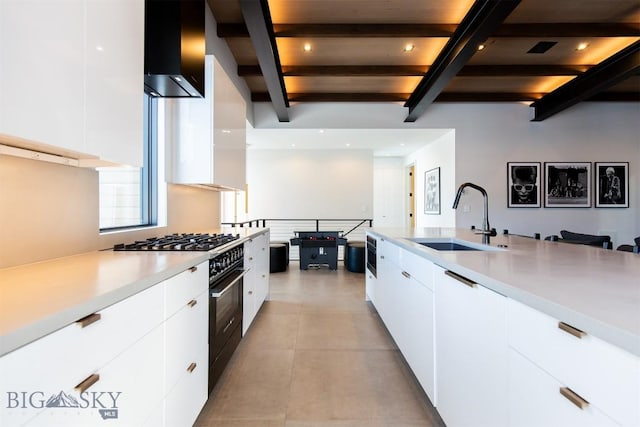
354 256
277 257
286 243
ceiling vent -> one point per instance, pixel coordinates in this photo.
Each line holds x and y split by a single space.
542 47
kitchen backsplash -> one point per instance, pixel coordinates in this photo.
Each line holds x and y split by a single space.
49 211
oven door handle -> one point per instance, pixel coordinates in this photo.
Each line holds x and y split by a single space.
233 282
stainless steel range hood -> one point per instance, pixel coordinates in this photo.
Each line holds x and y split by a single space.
174 48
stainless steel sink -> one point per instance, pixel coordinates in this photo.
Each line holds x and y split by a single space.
450 244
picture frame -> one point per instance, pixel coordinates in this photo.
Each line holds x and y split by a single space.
611 184
432 191
567 184
524 184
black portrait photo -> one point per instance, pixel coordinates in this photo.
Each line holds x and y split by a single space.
524 185
568 185
612 184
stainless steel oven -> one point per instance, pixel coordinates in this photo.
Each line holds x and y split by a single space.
226 274
372 255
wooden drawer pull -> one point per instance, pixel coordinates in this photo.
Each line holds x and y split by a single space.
407 275
193 269
88 320
192 303
88 382
192 367
571 330
573 397
461 279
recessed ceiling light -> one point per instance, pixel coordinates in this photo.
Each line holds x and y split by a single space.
99 48
321 131
582 46
402 144
293 145
348 145
307 47
481 47
409 47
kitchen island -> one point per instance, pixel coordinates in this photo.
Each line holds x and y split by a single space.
495 330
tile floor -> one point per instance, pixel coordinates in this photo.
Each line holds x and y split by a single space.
317 355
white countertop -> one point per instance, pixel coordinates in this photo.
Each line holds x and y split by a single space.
593 289
40 298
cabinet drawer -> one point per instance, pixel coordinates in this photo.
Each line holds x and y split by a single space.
185 401
74 351
129 388
535 400
185 334
418 267
601 373
183 287
388 252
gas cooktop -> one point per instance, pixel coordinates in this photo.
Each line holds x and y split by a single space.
179 242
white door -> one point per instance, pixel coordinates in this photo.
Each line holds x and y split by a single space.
388 196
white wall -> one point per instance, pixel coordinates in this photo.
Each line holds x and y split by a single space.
490 137
439 153
294 183
487 136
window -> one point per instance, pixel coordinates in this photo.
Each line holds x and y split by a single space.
129 196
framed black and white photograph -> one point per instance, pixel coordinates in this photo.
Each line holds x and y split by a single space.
612 184
568 185
432 192
523 186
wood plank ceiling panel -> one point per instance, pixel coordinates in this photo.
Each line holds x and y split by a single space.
378 84
358 51
357 47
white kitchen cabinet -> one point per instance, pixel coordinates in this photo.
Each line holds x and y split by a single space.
72 76
406 306
77 350
471 353
185 401
144 347
604 375
114 80
186 345
206 137
535 400
370 287
416 335
41 77
256 281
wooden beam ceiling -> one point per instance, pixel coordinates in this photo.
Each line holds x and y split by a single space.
258 20
482 19
404 70
608 73
437 30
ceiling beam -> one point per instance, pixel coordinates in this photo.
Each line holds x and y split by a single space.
258 19
569 30
418 70
443 97
438 30
482 19
608 73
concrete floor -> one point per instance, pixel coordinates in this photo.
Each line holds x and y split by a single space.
317 355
